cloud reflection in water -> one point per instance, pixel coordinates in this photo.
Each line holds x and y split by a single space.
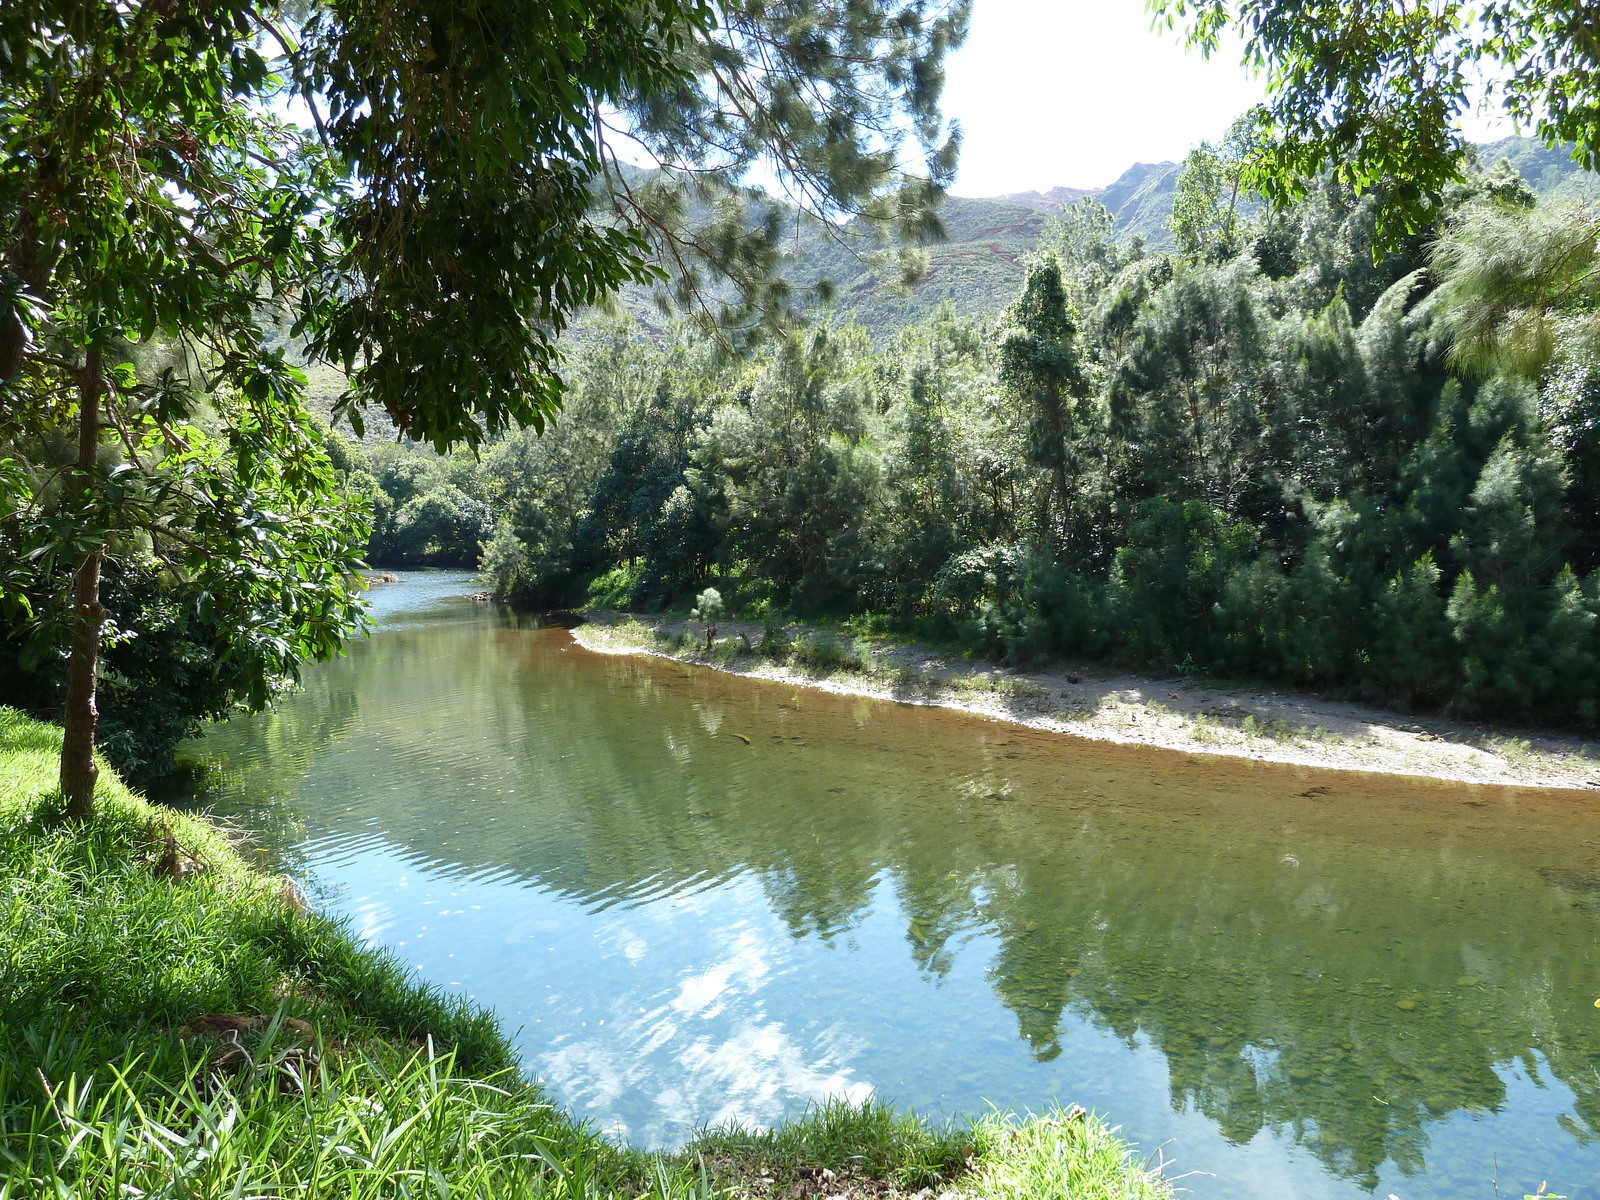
730 1061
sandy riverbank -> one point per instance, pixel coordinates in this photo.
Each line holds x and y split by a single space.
1093 702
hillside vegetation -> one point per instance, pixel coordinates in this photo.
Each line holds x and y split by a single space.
980 267
1249 446
1270 458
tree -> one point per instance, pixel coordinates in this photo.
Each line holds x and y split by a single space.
141 207
1039 366
1205 219
1082 236
456 204
1273 466
1515 284
708 611
1372 92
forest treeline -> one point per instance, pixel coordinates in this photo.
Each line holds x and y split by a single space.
1268 454
1265 455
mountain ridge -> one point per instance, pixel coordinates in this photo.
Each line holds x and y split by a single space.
982 262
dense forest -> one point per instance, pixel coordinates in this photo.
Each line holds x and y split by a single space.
644 304
1267 454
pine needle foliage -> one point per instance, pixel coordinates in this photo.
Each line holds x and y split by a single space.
1515 282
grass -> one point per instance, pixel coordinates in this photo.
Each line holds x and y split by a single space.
1516 751
354 1126
874 1150
840 1145
824 653
1064 1154
1276 729
177 1025
109 1087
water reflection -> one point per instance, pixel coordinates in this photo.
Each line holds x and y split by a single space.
704 898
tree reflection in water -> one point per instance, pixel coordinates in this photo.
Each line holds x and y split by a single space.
1339 958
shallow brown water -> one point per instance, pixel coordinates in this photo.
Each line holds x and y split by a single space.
704 897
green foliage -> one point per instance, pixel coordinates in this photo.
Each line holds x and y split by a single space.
615 587
825 652
1205 218
518 241
1371 95
105 960
230 560
493 211
1259 462
135 267
1081 239
1062 1153
155 207
708 611
443 527
1419 667
867 1140
1169 581
988 242
1039 367
170 666
76 908
775 642
505 560
1518 281
707 607
363 1128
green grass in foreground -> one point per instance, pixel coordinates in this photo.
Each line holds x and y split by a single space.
357 1082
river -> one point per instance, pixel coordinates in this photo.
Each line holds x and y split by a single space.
698 897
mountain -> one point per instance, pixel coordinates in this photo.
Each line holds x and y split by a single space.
1140 200
1551 173
977 267
1051 200
981 265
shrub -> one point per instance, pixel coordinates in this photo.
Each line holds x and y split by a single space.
827 651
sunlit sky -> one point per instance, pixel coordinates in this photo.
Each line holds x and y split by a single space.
1074 92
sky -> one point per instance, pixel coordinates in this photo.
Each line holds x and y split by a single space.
1074 92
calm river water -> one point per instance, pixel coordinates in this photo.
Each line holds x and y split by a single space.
700 898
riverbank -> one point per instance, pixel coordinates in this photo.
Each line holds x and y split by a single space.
178 1022
1088 700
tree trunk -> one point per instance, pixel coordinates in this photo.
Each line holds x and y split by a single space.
78 769
33 263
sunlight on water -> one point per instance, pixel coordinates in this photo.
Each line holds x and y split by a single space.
1292 984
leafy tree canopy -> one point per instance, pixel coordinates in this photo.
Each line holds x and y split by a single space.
455 203
1277 457
1372 92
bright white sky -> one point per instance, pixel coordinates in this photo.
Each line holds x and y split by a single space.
1074 92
